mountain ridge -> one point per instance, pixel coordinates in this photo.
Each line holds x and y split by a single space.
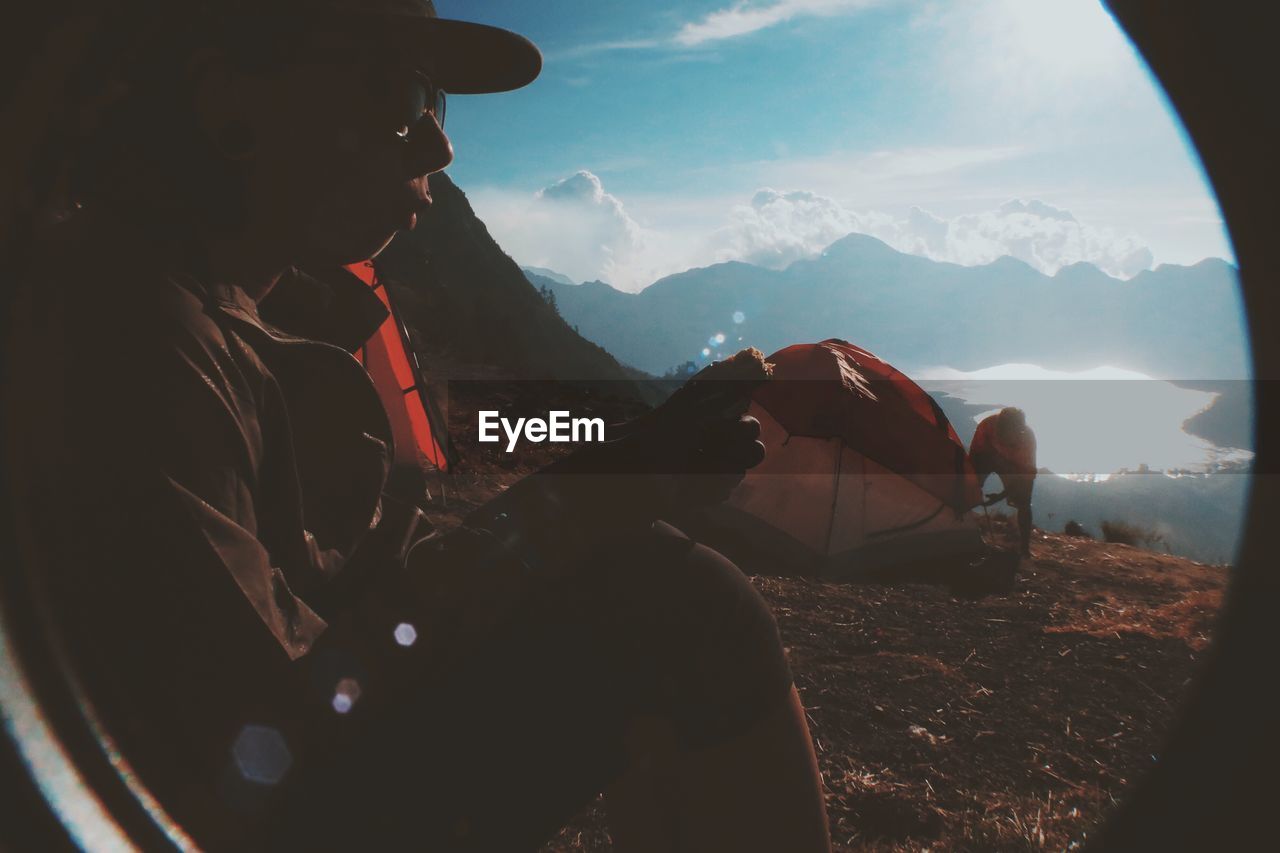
1176 321
466 299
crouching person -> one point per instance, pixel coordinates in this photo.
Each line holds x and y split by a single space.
1003 444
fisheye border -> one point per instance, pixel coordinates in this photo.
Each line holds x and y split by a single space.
69 787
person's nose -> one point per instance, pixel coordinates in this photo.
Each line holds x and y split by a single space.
428 149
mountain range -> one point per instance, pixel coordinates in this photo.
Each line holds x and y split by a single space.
468 302
1173 322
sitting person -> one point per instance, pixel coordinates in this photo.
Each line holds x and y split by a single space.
262 652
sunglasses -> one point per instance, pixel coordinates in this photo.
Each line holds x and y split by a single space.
399 98
412 100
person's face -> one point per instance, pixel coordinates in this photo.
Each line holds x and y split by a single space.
330 170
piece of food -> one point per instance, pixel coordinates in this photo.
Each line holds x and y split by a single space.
726 384
718 390
745 365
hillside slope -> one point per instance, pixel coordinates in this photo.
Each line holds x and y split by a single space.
1012 722
468 300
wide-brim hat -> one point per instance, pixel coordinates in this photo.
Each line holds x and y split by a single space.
463 57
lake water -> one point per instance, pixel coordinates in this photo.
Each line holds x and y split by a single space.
1093 423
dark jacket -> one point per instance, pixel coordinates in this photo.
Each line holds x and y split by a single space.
202 494
195 482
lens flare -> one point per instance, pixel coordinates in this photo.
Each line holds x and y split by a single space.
405 634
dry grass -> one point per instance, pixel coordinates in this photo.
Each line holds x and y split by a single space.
1015 722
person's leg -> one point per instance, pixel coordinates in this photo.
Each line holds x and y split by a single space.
688 665
659 662
1017 489
760 791
730 764
1024 529
1020 497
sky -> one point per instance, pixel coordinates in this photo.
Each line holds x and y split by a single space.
666 135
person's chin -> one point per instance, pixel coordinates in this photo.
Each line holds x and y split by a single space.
378 242
377 251
353 249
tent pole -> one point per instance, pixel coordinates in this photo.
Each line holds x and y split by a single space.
835 495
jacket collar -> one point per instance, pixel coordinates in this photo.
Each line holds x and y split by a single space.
337 309
230 300
330 305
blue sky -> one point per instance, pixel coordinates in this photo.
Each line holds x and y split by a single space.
644 146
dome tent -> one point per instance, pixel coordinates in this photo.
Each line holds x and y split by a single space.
863 473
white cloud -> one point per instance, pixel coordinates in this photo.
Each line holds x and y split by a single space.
1179 220
743 18
1042 236
590 49
577 228
780 227
588 229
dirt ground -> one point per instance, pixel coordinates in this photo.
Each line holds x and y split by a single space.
1012 722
